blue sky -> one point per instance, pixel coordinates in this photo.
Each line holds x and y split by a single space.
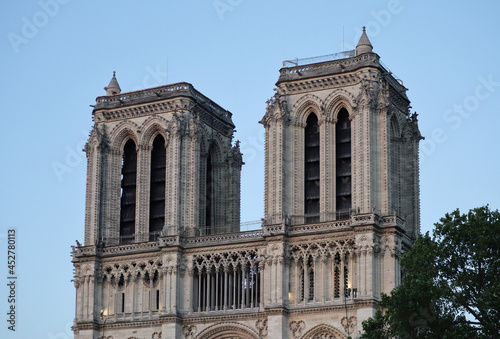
57 55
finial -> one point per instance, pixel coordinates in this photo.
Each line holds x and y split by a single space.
113 87
364 29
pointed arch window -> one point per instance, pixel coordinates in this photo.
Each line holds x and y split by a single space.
157 189
311 170
128 193
343 164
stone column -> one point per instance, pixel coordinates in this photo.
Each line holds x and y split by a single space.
173 180
111 219
277 323
143 193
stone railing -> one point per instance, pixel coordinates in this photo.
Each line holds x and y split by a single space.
239 237
328 67
155 92
376 219
365 219
131 248
171 240
276 229
225 238
318 59
392 220
320 227
82 251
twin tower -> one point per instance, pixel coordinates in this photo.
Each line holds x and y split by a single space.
163 255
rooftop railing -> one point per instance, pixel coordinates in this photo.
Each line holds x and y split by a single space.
323 58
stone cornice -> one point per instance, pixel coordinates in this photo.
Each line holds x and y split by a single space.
119 324
338 81
220 317
298 310
337 74
276 310
170 98
181 89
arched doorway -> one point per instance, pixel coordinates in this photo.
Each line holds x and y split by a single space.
324 332
227 331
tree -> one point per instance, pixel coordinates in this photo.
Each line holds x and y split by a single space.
451 284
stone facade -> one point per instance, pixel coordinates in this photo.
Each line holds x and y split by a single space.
341 206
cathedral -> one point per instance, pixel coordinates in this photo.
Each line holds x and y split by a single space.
163 255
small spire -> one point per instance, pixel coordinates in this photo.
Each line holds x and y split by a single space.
364 45
113 87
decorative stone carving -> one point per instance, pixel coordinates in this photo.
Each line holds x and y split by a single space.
349 324
297 327
188 331
261 326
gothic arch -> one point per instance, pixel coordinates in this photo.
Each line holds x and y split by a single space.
407 134
394 127
122 132
215 149
324 332
215 145
227 331
337 100
152 127
305 105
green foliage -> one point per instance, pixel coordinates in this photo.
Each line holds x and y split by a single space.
451 287
376 327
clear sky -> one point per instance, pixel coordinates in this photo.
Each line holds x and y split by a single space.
57 55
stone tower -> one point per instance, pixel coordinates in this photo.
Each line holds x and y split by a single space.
340 140
163 255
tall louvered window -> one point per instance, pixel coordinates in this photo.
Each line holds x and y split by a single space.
311 168
343 164
157 191
209 196
128 193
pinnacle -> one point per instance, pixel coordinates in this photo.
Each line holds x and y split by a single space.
113 87
364 45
